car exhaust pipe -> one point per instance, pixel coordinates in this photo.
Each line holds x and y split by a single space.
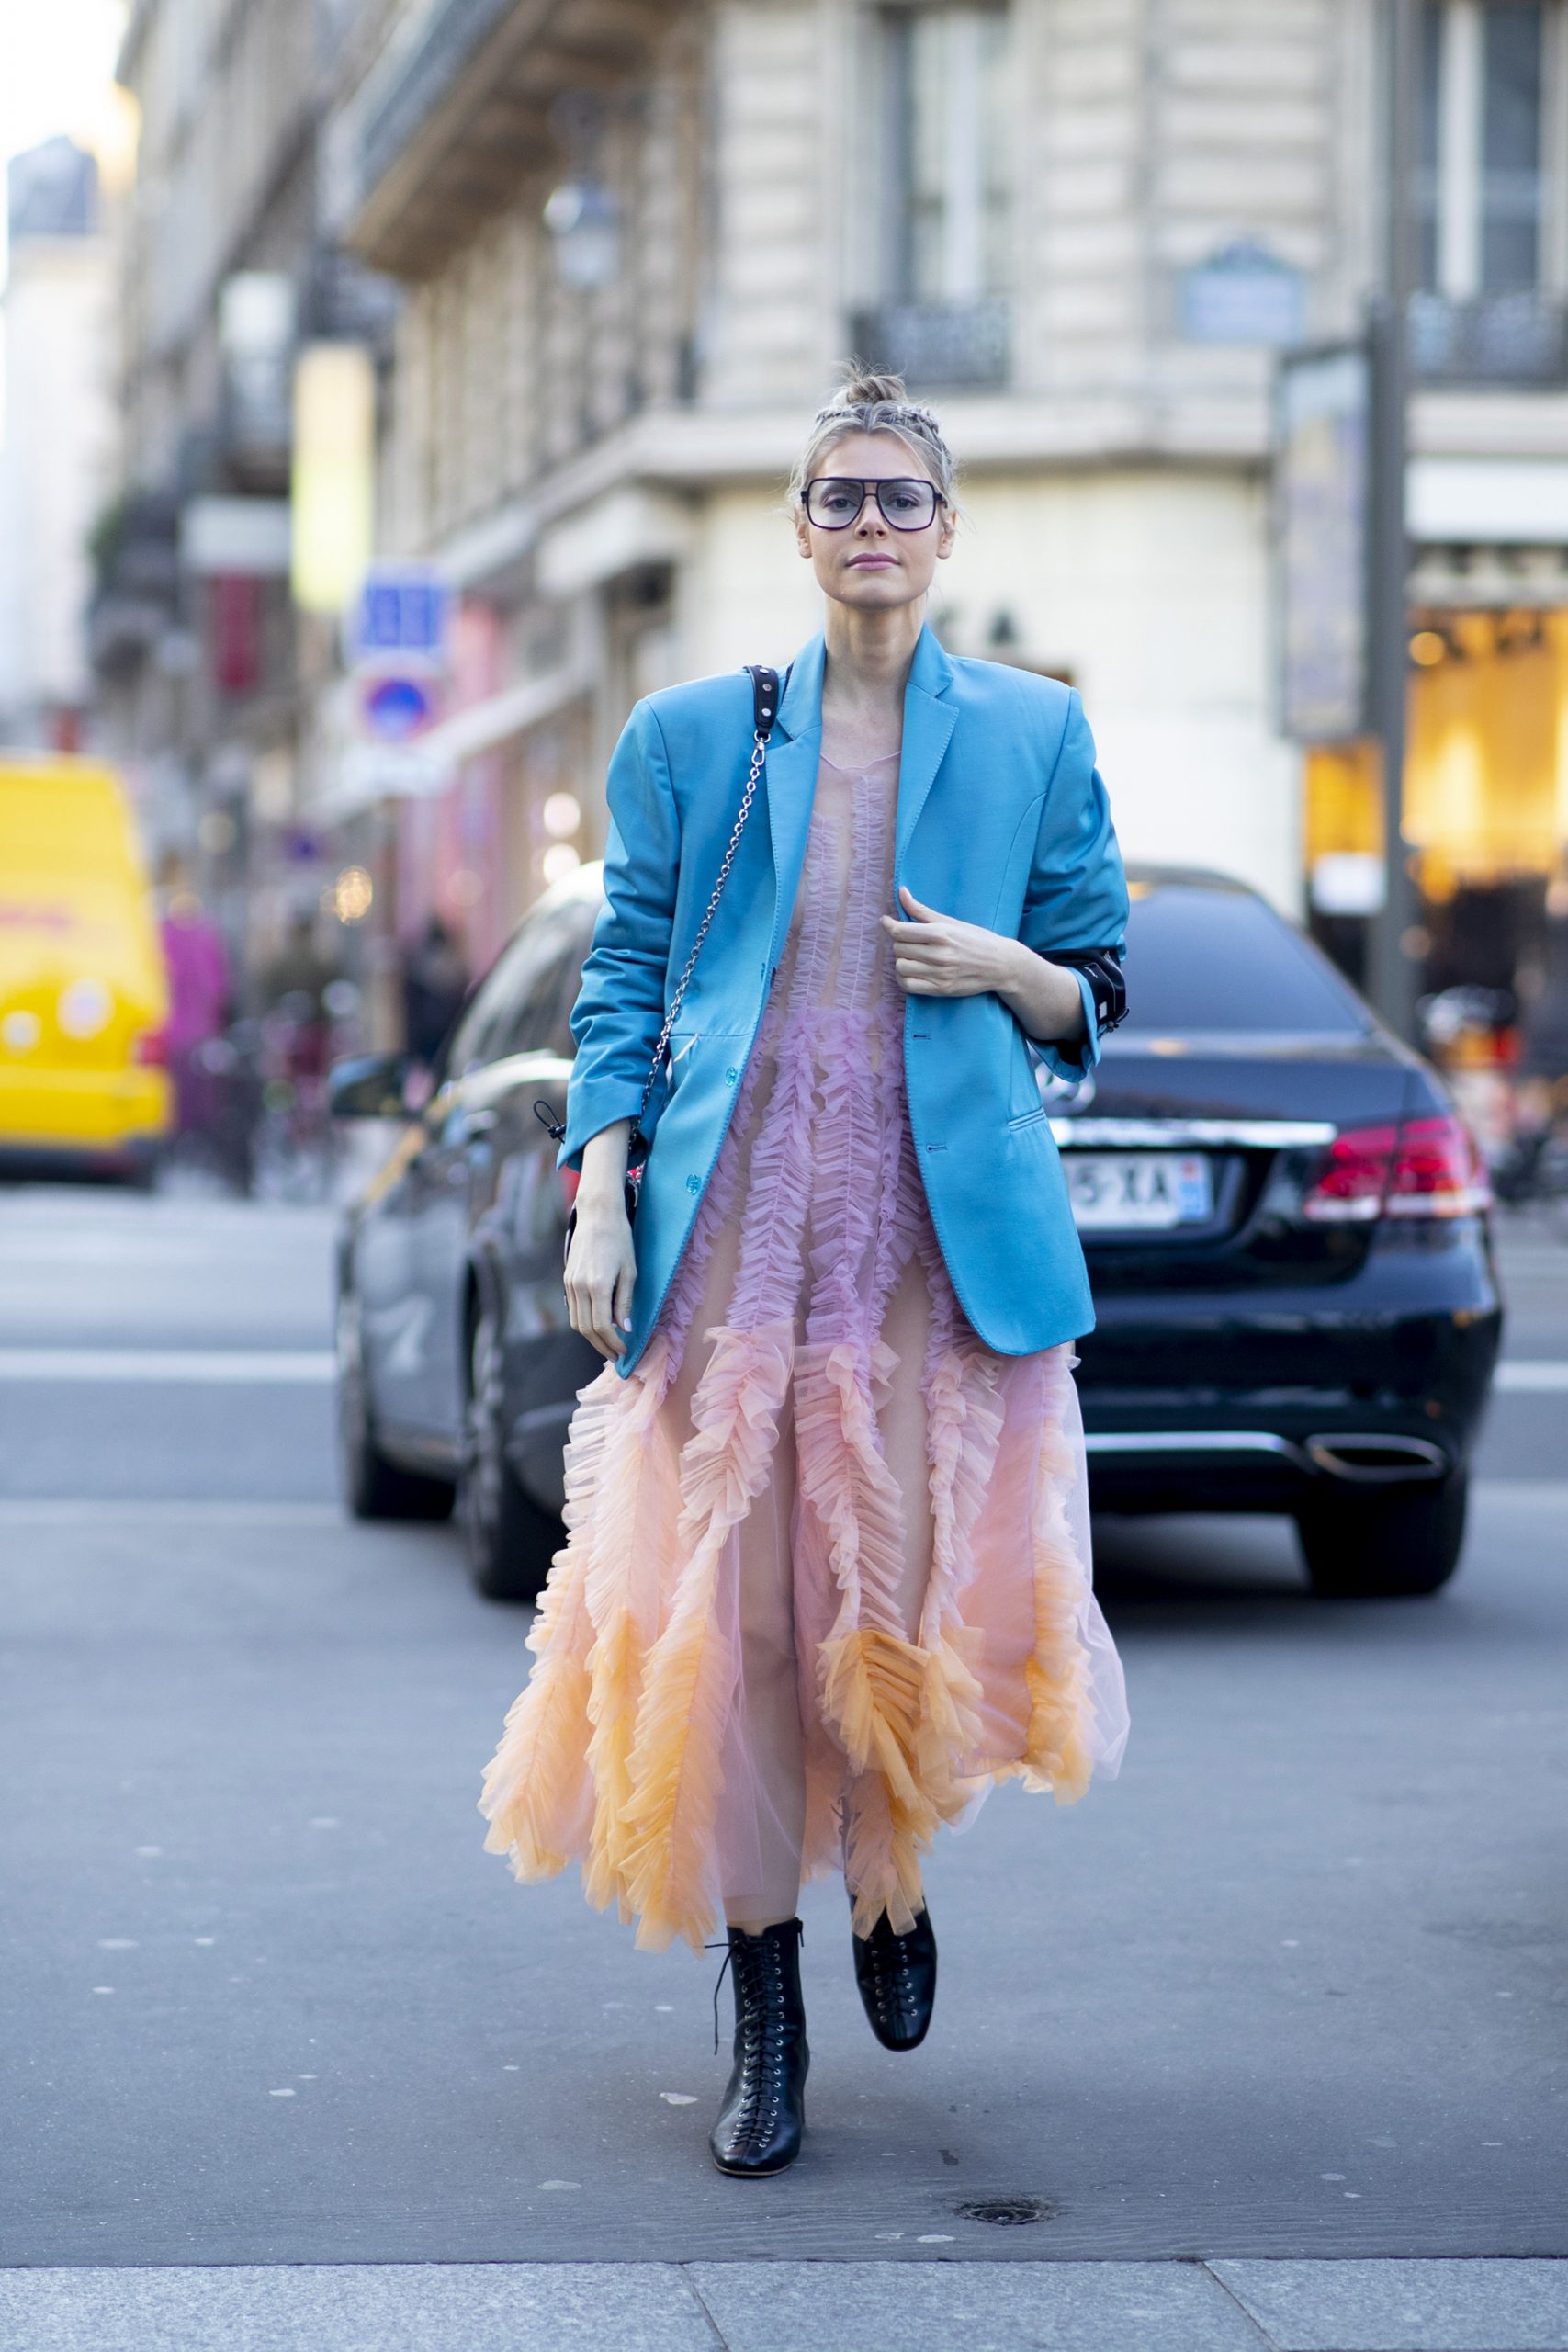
1379 1461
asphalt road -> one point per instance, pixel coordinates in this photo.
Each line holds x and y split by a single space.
1297 1985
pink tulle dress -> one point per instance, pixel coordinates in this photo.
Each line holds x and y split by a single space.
827 1568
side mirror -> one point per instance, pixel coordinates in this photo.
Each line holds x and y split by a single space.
371 1086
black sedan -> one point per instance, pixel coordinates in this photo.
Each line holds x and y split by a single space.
1285 1223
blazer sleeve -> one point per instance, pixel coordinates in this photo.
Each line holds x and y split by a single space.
1077 895
620 1004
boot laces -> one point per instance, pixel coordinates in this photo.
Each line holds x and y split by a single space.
892 1983
758 1963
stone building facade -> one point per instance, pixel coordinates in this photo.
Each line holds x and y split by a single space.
633 240
1011 201
205 673
57 443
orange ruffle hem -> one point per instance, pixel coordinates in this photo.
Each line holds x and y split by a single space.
825 1576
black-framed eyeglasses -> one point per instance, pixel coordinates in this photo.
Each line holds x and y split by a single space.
833 502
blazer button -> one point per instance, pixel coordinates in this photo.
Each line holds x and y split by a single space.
730 1075
694 1183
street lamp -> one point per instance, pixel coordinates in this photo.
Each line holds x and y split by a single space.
582 214
585 221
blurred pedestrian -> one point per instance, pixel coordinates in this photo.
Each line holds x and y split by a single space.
298 970
198 965
1544 1026
826 1574
435 981
295 1145
1540 1099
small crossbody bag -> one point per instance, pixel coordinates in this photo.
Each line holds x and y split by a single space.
764 711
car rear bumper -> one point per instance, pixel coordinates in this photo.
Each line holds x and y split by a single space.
1246 1469
1254 1399
93 1113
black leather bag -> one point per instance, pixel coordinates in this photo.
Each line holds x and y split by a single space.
764 711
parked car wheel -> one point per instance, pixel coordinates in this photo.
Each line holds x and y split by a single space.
372 1486
508 1539
1382 1546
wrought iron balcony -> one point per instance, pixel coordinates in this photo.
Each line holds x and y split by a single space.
453 34
938 346
440 134
1499 339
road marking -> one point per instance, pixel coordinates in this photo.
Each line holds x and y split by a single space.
1528 1376
314 1367
125 1515
190 1366
50 1510
1517 1375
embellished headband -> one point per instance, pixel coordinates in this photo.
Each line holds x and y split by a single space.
899 412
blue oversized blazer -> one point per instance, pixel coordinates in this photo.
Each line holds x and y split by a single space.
1002 819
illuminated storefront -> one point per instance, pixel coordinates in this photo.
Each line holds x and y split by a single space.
1485 802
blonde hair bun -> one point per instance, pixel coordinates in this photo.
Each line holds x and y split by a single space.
869 401
862 388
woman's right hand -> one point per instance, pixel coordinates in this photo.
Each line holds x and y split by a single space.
600 1265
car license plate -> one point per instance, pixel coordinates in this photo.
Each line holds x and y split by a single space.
1138 1191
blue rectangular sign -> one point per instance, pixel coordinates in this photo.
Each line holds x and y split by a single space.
401 618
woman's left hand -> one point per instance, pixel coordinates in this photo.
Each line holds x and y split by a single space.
936 955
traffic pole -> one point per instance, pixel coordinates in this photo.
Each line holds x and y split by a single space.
1392 967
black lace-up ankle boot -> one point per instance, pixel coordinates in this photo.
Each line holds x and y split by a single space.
763 2114
896 1975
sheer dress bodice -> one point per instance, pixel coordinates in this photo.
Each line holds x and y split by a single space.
825 1571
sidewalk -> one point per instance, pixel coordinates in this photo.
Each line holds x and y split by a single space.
894 2306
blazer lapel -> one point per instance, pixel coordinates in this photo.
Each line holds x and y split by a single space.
929 722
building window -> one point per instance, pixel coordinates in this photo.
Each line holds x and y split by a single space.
944 193
947 182
1482 194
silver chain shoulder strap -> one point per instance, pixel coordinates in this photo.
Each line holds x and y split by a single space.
765 699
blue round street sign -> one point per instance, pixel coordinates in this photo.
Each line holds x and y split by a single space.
396 708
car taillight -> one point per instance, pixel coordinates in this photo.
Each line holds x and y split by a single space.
569 1179
151 1048
1354 1178
1422 1168
1436 1171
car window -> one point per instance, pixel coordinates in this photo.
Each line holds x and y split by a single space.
1206 960
523 1003
539 1020
464 1046
475 1039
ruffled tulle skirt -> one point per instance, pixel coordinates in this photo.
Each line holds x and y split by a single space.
825 1578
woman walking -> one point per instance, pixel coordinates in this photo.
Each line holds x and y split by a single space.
826 1576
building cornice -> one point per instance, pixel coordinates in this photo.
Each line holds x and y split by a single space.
686 450
450 120
1489 424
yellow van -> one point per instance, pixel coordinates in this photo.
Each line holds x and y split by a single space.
83 997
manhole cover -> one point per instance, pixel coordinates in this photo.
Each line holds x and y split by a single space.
1005 2212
